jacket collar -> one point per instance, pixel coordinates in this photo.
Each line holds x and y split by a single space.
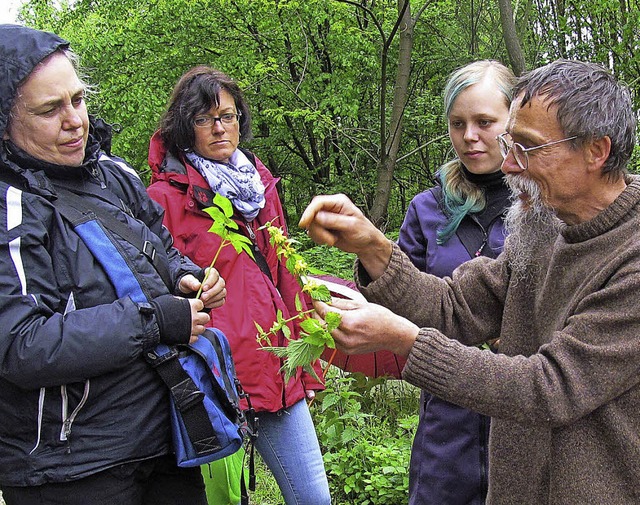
178 172
36 175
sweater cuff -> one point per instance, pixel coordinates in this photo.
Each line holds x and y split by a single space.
432 362
173 316
388 287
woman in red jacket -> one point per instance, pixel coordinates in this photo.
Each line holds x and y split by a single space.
193 156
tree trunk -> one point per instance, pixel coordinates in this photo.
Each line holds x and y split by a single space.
391 141
514 49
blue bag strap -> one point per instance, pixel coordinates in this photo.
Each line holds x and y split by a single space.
187 398
77 208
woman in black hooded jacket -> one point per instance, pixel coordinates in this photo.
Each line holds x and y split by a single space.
84 418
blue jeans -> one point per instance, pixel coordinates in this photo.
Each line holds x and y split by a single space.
288 444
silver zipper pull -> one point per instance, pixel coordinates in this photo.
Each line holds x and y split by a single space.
66 426
96 174
252 235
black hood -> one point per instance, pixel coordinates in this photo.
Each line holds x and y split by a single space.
21 49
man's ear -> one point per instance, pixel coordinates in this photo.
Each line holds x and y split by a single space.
597 152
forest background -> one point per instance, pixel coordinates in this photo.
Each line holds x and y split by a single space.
346 96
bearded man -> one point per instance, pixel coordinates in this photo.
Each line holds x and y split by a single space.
563 298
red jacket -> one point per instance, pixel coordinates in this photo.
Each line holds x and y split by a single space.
251 296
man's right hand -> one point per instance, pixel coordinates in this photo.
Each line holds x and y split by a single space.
368 327
334 220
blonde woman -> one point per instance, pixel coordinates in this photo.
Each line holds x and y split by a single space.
457 220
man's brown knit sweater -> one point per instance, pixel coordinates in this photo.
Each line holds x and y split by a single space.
564 390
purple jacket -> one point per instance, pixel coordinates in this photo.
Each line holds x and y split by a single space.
449 457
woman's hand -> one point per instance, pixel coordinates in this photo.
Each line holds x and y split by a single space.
199 319
213 294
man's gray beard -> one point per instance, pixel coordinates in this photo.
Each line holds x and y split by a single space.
532 228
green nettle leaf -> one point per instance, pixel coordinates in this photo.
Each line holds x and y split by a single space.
329 401
321 293
298 354
333 320
231 224
224 203
315 335
281 352
311 325
221 212
291 263
275 328
218 228
317 339
216 214
241 243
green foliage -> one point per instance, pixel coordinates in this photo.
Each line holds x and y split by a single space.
315 335
323 259
371 474
634 164
225 227
366 428
312 74
310 70
267 491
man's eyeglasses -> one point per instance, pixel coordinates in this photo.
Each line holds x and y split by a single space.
228 119
520 153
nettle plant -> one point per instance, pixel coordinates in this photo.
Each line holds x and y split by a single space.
315 335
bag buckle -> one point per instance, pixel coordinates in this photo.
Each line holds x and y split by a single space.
149 251
160 354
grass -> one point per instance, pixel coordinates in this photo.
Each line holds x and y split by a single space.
267 491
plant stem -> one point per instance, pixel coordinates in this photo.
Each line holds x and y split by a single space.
299 315
333 355
222 244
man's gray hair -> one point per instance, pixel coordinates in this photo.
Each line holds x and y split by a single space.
590 103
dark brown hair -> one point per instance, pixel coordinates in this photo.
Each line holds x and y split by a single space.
195 93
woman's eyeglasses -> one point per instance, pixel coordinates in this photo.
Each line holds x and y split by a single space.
227 119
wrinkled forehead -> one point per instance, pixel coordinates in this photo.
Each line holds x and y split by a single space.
51 80
538 112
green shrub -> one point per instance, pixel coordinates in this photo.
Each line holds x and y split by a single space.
323 259
365 427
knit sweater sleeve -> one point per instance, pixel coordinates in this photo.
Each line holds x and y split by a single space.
589 364
568 345
466 306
